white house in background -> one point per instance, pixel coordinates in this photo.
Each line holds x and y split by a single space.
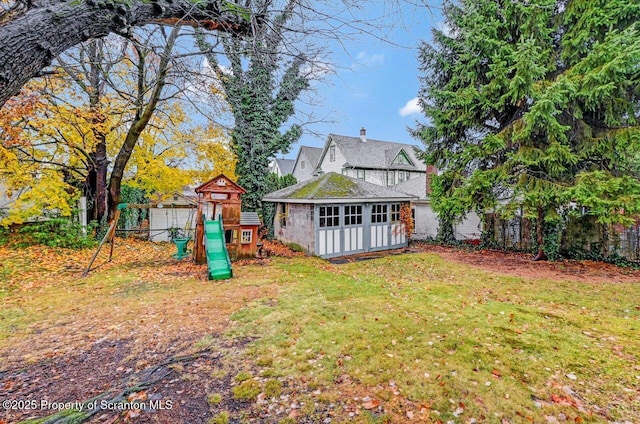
383 163
426 220
306 162
281 167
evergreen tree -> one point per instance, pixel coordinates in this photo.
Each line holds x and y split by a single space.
533 105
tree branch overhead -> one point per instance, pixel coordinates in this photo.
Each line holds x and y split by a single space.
33 36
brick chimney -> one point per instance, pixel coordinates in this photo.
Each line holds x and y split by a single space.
363 134
431 171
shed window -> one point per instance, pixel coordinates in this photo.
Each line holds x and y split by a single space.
246 237
352 215
395 212
283 214
378 214
329 216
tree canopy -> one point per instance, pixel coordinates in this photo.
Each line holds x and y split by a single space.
534 105
33 33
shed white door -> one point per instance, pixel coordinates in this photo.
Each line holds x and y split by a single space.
161 219
329 242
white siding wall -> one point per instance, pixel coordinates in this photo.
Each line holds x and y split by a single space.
375 177
426 224
426 221
307 172
335 166
469 228
162 218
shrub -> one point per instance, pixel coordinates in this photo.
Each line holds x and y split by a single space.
56 232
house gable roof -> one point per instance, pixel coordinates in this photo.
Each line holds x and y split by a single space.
285 165
335 188
312 153
373 154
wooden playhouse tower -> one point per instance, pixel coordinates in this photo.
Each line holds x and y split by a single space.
222 198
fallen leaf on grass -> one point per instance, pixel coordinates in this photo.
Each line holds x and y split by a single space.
562 400
374 403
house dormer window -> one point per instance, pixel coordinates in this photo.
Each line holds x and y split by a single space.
402 159
332 153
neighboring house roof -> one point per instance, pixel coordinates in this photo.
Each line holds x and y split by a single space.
374 154
285 165
415 186
312 153
249 218
335 188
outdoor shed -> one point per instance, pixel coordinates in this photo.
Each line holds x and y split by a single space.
176 212
334 215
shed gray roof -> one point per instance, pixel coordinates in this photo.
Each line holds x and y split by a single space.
249 218
415 186
375 154
335 188
286 165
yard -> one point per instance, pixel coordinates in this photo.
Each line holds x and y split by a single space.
430 335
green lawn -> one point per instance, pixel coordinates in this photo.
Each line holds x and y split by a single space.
448 342
386 340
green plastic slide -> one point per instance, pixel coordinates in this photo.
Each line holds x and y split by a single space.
217 255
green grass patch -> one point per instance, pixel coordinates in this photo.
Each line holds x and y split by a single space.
439 333
247 390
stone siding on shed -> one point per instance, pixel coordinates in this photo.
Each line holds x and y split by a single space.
298 228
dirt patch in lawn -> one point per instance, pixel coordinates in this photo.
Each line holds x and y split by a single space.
522 265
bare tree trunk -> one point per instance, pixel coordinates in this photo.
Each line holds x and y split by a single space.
100 171
146 109
31 39
540 256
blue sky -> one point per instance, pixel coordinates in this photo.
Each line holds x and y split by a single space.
374 83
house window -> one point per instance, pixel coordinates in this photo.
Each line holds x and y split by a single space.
246 236
378 214
352 215
391 178
360 174
395 212
332 153
302 164
402 176
329 216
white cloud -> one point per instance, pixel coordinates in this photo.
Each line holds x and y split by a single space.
410 108
365 59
